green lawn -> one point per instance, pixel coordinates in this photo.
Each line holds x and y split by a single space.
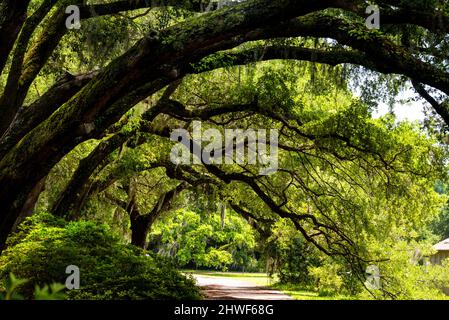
261 279
300 293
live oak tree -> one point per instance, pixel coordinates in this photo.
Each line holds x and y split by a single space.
345 180
39 128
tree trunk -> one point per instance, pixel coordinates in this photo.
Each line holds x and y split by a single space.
140 227
30 203
13 197
141 224
13 14
68 202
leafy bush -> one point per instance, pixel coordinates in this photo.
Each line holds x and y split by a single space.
9 287
109 269
327 279
409 275
216 258
48 292
291 255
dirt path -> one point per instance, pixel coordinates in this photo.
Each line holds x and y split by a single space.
222 288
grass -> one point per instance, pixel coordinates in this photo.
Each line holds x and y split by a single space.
260 279
299 293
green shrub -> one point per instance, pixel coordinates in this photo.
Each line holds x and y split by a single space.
408 274
109 269
327 279
291 255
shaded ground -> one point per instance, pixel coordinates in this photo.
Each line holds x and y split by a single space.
219 288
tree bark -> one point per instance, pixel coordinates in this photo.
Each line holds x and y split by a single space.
29 117
67 203
30 203
141 223
12 17
140 227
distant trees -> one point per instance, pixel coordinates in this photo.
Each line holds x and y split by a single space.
197 240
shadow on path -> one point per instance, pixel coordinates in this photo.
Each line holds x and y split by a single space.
217 288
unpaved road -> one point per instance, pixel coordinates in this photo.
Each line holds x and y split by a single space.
222 288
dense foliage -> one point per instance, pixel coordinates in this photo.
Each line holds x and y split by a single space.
86 116
109 269
211 241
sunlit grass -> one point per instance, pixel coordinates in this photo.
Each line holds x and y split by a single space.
299 293
259 278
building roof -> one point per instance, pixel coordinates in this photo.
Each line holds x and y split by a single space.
442 246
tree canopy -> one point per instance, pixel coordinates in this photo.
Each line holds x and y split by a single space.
87 114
